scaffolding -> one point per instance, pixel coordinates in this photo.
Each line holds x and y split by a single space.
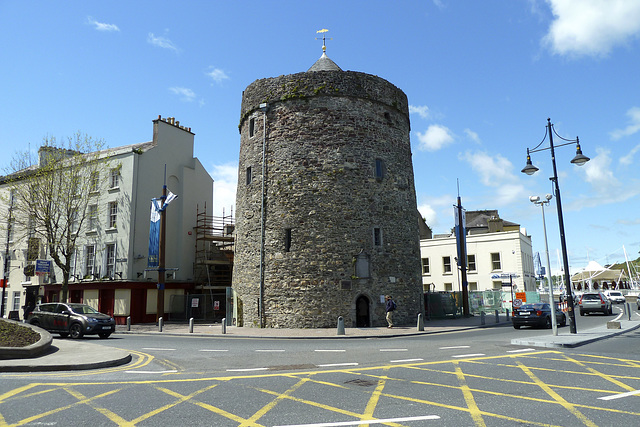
214 250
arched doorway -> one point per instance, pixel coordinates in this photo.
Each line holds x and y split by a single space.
362 312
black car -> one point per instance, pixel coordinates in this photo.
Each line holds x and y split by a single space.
69 319
538 314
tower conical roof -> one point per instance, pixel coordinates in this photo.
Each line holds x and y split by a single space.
324 64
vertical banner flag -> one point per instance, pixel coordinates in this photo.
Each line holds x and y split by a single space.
154 234
461 233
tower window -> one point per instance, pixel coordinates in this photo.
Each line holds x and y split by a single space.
287 239
379 169
252 127
248 175
377 236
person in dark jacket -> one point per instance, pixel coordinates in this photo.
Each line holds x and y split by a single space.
390 307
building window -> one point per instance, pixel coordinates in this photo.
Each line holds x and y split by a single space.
448 287
497 285
379 169
425 266
114 178
111 260
377 236
93 217
287 239
16 301
73 226
94 182
471 262
252 127
248 175
446 264
113 214
90 260
495 261
472 286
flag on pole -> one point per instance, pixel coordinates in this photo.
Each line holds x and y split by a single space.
170 198
154 234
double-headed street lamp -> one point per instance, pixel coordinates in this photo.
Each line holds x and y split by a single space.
580 159
536 201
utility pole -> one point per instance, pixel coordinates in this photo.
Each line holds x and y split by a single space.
161 252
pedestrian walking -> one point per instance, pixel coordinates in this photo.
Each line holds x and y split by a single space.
390 308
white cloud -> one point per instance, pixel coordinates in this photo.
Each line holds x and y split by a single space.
162 42
101 26
217 75
628 159
225 179
598 173
591 27
472 135
634 118
495 171
421 110
429 215
187 94
435 138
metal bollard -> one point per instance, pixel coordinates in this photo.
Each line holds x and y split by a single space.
129 323
224 325
160 324
191 325
482 320
498 316
627 308
420 323
340 326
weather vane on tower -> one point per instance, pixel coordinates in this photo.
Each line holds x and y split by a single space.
324 46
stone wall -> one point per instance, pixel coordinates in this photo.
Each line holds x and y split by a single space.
325 207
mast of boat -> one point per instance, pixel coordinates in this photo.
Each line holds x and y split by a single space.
634 283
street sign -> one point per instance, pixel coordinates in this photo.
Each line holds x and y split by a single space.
43 267
503 275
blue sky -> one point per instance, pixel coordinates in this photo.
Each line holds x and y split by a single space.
481 77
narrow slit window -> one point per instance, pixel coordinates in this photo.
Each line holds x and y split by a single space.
287 239
379 169
248 175
377 236
252 127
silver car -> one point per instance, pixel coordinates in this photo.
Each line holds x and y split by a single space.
591 302
616 297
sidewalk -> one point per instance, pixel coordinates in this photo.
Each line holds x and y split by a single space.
66 354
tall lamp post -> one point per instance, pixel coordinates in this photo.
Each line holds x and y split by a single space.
580 159
536 201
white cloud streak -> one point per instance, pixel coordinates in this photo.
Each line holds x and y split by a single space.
435 138
628 159
421 110
634 124
495 171
217 75
225 177
472 136
162 42
186 94
101 26
591 27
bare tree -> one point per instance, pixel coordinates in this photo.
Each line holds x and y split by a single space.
50 196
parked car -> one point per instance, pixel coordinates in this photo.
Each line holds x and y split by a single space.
595 302
538 314
616 297
73 320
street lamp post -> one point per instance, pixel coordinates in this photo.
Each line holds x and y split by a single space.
536 201
580 159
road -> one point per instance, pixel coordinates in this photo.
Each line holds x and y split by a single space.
470 378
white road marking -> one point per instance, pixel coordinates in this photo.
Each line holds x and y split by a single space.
454 347
469 355
394 349
270 351
361 422
620 395
206 349
159 349
332 351
247 369
151 372
406 360
337 364
521 350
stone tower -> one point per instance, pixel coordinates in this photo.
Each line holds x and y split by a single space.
326 215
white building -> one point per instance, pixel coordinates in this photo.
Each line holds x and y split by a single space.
108 269
494 247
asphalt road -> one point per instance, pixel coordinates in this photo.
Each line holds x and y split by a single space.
471 378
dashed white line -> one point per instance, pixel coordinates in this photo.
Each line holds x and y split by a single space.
394 349
406 360
620 395
331 351
365 422
469 355
269 351
329 365
247 370
207 349
521 350
454 347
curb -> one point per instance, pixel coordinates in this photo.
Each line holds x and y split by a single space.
33 350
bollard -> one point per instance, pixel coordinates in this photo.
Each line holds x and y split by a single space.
160 324
129 323
628 310
340 326
191 325
420 323
498 316
482 320
224 325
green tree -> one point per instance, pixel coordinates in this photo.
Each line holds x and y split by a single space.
49 196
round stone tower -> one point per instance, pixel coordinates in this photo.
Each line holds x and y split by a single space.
326 215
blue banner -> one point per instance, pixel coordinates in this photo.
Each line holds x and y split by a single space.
154 235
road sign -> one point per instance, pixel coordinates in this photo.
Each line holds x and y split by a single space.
517 302
503 275
43 267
